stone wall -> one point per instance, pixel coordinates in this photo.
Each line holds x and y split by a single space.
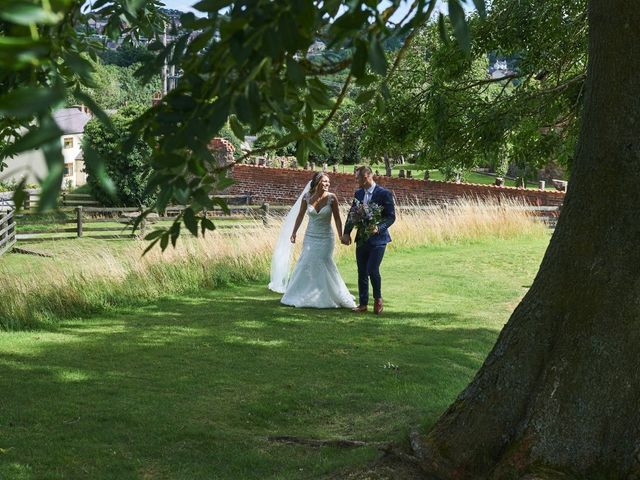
282 186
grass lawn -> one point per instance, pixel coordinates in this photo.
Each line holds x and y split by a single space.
191 387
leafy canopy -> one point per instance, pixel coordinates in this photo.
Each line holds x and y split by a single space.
245 62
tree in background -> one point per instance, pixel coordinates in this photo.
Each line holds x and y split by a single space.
445 108
117 86
129 168
126 55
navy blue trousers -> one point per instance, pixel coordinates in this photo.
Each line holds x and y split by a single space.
369 258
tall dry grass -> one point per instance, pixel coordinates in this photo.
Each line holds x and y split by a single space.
462 221
108 277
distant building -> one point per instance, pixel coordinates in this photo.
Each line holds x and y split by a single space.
500 69
32 165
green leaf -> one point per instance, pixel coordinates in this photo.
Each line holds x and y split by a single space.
442 29
32 140
380 104
24 13
242 108
151 245
376 56
96 165
224 182
83 68
236 127
288 32
26 102
154 234
295 72
207 225
481 7
20 195
359 62
316 145
460 26
190 221
94 108
211 5
308 117
366 80
302 152
331 7
174 232
50 186
164 241
365 96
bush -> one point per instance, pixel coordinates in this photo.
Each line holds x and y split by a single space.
129 169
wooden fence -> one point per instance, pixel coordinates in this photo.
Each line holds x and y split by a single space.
117 223
31 202
92 221
7 231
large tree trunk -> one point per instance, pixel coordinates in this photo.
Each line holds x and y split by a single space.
560 392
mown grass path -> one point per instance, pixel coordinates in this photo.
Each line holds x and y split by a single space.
191 387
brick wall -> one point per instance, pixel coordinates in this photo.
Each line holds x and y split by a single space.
283 186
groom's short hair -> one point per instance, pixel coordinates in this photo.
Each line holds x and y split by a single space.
364 170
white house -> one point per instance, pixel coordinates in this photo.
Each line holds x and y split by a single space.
32 165
72 121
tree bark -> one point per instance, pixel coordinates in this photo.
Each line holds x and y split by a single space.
559 393
387 165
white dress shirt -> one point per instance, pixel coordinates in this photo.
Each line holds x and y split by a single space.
368 193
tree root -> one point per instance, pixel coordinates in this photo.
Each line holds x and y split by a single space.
388 449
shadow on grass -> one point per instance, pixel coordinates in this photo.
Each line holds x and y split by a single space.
192 387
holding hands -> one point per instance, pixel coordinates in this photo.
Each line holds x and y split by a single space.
345 239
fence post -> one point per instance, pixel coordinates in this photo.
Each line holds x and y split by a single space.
79 221
2 235
143 223
265 214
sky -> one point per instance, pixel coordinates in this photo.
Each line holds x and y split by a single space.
185 6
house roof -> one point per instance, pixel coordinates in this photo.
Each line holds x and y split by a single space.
71 120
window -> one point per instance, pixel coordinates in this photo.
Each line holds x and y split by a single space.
68 169
68 142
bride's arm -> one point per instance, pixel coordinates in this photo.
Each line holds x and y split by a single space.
303 208
336 215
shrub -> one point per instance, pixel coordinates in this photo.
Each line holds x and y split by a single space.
129 169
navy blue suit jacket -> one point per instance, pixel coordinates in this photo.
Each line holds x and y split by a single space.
384 198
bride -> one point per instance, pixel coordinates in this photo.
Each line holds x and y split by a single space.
315 281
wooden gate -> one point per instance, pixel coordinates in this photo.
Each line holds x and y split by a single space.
7 231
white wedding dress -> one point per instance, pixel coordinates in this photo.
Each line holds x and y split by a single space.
316 281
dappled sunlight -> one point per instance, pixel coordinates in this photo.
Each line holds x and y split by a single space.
237 339
252 324
71 375
203 379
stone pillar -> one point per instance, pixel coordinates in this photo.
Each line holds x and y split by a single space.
542 184
401 173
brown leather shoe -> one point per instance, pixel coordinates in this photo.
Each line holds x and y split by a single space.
377 306
360 309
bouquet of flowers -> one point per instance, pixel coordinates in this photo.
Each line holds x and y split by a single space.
365 218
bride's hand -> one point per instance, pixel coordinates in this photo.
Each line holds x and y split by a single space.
293 238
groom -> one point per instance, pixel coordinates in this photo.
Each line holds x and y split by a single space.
369 254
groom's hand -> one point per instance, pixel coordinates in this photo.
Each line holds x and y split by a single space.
345 239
